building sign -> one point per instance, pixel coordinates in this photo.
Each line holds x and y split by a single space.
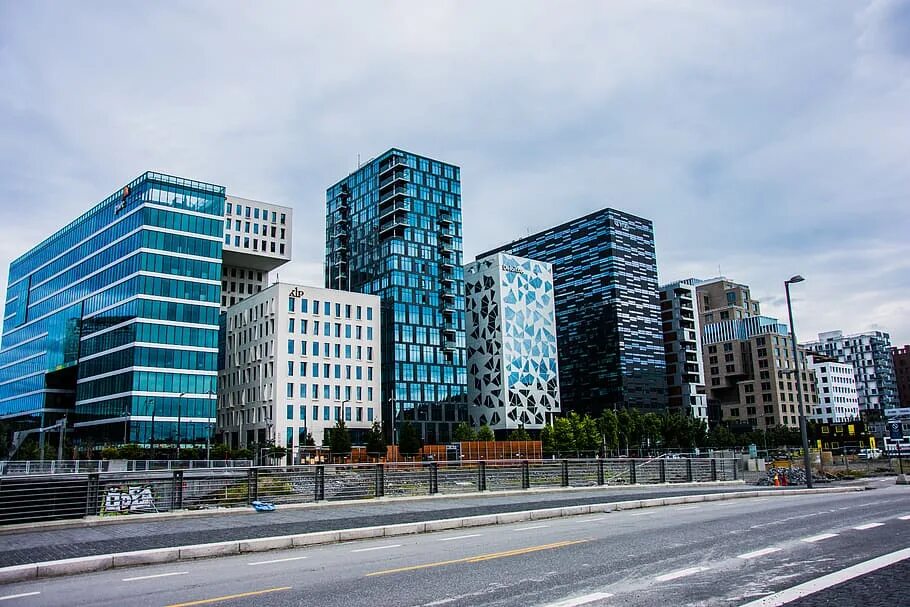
895 430
515 269
123 195
297 292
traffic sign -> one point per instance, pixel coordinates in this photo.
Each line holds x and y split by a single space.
895 430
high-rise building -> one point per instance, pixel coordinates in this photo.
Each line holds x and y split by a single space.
513 379
901 360
393 229
870 355
682 350
748 361
297 360
113 320
607 313
837 398
257 240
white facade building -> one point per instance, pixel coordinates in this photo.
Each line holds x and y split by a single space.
513 375
257 239
870 355
297 359
837 396
682 349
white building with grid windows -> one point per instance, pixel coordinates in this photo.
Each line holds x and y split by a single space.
297 359
257 240
837 397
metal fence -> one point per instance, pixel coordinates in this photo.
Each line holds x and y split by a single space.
25 467
34 497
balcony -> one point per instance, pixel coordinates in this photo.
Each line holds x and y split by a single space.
444 219
394 228
399 206
391 163
394 177
447 278
445 238
449 344
340 261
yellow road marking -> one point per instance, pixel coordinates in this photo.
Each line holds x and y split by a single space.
481 557
228 597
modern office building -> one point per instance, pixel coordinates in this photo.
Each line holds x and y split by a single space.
298 359
900 358
682 350
513 376
870 355
837 398
607 313
748 361
257 240
113 320
393 229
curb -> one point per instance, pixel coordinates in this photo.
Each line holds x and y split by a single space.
87 564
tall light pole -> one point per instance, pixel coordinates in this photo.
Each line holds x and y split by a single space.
211 429
152 437
179 408
799 382
126 418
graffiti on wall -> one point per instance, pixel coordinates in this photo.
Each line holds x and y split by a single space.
129 500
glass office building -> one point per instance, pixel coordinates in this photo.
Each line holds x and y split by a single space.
113 320
607 311
393 229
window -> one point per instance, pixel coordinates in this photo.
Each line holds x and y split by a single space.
291 368
369 314
290 390
290 346
290 304
290 325
290 412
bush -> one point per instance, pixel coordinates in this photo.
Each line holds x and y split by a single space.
110 453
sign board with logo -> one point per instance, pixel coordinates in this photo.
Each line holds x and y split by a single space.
895 430
297 292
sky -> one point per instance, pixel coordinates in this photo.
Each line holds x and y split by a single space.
762 139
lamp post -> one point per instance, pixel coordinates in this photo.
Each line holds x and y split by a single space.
211 429
126 416
394 435
179 407
152 437
799 380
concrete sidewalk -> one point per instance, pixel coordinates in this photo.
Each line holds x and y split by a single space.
69 539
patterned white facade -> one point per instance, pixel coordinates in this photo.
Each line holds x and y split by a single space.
257 239
837 397
511 342
297 359
682 349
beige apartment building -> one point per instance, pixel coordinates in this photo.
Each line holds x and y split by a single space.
748 360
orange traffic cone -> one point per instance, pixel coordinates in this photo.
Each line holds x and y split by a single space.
776 481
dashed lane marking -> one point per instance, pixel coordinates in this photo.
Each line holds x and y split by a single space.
157 575
291 558
581 600
17 596
458 537
377 548
673 575
868 526
818 538
758 553
530 528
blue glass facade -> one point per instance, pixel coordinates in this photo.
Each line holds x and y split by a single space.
393 229
113 320
607 311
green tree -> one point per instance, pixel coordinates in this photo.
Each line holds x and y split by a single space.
408 441
340 439
221 451
720 437
563 437
608 425
651 429
519 433
243 453
485 434
130 451
376 441
584 431
309 441
464 433
548 440
110 453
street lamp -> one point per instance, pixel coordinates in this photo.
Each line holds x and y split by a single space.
152 437
211 429
179 407
126 417
799 384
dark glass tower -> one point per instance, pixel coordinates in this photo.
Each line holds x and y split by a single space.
607 311
113 320
393 229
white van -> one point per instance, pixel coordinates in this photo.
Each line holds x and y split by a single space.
870 453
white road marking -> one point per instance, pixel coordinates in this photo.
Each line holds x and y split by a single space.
530 528
157 575
681 573
868 526
458 537
292 558
18 596
818 538
758 553
832 579
594 520
904 518
688 508
377 548
641 513
581 600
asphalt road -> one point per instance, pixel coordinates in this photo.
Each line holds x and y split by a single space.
728 553
143 532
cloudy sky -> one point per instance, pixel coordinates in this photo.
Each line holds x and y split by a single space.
763 139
